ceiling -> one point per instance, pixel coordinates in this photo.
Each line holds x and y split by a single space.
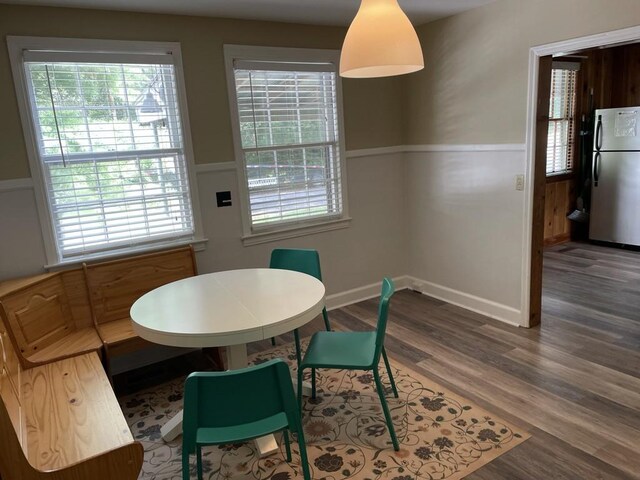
322 12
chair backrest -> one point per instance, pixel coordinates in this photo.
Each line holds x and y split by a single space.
236 397
297 259
388 289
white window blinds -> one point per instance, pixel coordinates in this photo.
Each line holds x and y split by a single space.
561 120
289 133
111 149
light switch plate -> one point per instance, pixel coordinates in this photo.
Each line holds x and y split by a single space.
519 182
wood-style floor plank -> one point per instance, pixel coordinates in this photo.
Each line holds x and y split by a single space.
573 381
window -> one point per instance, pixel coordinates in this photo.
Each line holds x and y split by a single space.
110 146
562 107
288 137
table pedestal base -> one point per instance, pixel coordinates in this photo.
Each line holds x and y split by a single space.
306 387
173 428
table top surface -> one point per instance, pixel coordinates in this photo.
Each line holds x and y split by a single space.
228 308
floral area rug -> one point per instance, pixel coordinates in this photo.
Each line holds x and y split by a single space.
442 436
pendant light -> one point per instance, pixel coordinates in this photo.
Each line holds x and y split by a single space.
380 42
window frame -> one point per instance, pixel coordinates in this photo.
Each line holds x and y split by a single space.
16 45
268 233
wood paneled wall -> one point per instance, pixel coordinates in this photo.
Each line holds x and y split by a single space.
625 91
559 202
614 76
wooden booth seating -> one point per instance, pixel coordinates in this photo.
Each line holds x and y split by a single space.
61 421
115 285
49 317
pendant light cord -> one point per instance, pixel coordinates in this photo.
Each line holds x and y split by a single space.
55 116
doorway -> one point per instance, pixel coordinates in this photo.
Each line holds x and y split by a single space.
541 66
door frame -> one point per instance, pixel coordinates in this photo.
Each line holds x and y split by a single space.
532 260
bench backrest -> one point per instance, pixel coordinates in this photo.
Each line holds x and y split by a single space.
38 314
114 286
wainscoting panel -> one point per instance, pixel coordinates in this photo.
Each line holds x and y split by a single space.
465 229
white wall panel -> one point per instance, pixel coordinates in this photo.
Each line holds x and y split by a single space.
21 247
465 226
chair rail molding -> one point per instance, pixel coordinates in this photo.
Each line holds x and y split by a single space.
16 184
479 147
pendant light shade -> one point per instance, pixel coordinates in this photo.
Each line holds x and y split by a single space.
380 42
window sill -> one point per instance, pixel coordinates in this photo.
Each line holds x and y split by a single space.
199 244
293 232
560 176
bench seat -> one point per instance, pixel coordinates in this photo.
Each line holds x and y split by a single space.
62 421
70 413
117 331
81 341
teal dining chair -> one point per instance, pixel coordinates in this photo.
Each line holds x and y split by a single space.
304 261
239 405
354 351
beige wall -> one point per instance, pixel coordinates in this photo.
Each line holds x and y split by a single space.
371 247
372 108
476 65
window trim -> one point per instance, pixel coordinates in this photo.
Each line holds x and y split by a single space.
573 143
268 233
16 45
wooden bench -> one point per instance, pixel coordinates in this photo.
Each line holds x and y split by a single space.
115 285
49 317
61 421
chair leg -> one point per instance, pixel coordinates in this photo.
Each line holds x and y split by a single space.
296 337
304 462
185 465
313 383
287 446
326 319
385 409
199 461
391 380
300 372
273 341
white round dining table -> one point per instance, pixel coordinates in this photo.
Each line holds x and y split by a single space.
227 309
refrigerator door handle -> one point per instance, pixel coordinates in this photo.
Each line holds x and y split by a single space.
599 133
597 160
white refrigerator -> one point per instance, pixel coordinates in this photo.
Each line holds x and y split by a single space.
615 187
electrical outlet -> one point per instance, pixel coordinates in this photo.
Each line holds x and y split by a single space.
520 182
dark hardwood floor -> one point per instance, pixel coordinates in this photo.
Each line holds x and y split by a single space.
573 382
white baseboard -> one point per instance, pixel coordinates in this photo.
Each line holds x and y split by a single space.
494 310
342 299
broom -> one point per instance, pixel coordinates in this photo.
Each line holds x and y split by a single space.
580 214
